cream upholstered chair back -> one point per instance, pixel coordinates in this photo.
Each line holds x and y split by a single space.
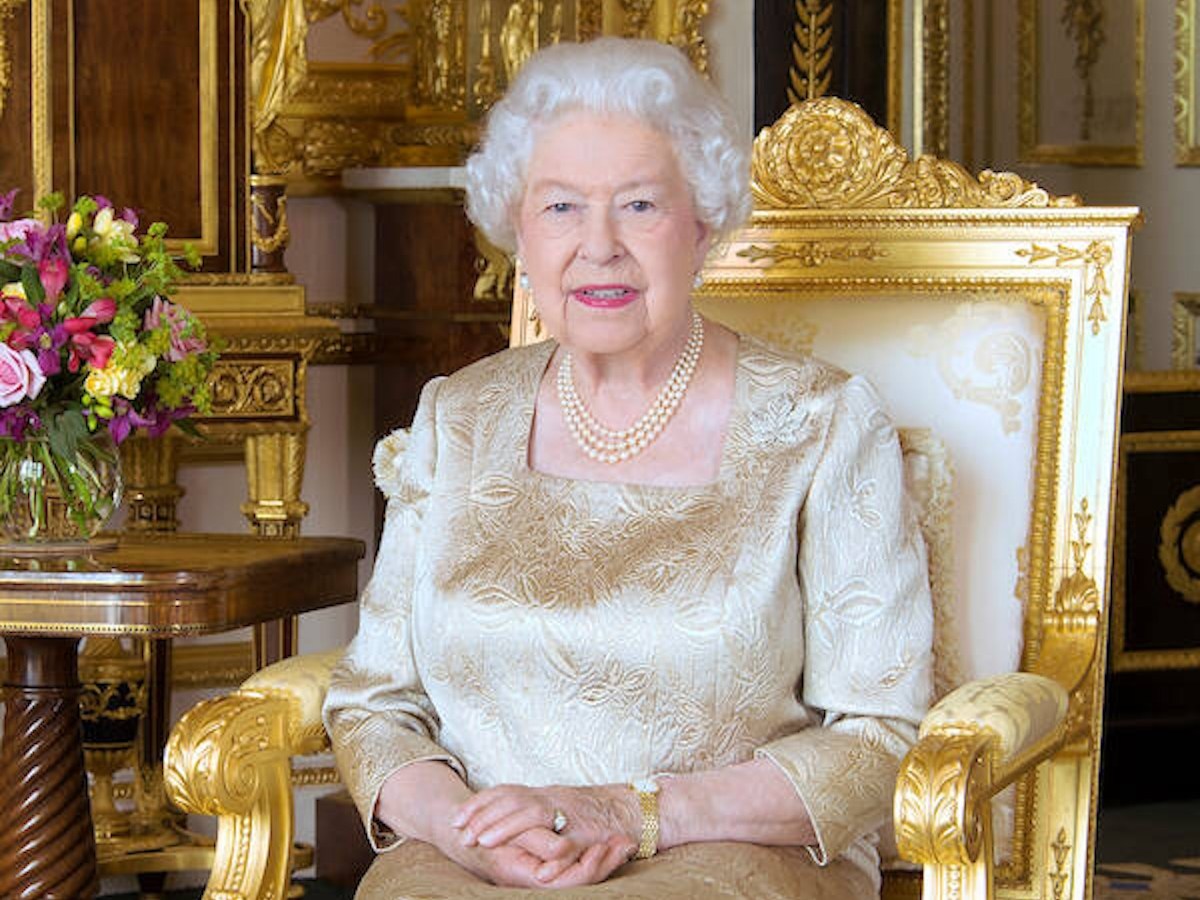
990 316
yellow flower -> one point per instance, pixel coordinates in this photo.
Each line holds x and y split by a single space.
103 221
13 289
104 383
74 223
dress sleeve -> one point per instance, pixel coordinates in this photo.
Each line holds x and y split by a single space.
868 627
376 711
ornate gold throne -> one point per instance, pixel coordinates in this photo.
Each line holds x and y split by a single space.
990 316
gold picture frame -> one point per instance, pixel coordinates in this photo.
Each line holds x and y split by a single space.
1108 118
1187 141
1185 310
1122 657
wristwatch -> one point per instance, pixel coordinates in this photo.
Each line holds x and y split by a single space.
647 791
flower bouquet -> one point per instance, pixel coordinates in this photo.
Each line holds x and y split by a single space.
91 349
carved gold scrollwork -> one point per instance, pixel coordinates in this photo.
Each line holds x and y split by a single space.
485 90
371 24
278 62
229 758
941 804
1071 626
519 35
1095 259
590 19
253 388
812 50
637 16
811 254
828 154
685 34
495 272
7 9
437 37
1179 545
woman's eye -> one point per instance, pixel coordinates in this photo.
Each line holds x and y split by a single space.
562 206
641 205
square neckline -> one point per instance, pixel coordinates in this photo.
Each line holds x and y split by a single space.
528 410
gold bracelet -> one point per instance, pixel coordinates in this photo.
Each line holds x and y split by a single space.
647 791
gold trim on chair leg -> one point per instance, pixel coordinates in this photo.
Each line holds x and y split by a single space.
229 757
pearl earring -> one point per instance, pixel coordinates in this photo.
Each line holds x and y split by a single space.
523 278
698 280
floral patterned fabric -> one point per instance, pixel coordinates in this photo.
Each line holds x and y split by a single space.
533 629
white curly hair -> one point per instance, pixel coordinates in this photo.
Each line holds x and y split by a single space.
645 80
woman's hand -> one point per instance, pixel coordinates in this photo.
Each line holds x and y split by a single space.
540 858
594 815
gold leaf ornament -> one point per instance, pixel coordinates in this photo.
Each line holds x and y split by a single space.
828 154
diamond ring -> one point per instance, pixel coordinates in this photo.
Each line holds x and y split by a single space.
560 821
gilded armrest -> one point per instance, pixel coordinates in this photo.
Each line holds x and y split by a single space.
973 743
231 757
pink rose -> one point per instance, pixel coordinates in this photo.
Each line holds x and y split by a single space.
20 376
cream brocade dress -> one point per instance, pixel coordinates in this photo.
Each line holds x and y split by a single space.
532 629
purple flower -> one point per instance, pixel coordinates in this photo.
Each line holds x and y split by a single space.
17 420
18 231
40 244
6 204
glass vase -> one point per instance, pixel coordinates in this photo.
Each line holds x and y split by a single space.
49 502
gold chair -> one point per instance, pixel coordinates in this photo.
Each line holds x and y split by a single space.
990 316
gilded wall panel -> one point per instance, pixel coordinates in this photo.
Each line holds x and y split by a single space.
1082 82
1187 134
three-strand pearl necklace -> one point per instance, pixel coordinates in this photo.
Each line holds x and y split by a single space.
613 446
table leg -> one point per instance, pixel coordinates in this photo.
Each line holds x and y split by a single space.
47 849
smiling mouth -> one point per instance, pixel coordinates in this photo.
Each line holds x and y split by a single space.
605 296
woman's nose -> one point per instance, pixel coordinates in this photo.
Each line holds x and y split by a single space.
600 242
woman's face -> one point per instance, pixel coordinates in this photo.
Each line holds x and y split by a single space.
609 236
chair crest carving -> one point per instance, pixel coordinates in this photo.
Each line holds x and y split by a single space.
827 153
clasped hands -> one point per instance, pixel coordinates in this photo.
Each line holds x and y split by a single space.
506 834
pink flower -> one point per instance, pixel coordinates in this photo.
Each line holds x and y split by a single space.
181 347
89 348
20 377
99 312
53 272
17 229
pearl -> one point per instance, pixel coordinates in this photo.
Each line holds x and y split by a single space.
611 446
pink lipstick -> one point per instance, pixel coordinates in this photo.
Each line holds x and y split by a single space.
605 296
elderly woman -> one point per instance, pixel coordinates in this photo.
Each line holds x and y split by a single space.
650 614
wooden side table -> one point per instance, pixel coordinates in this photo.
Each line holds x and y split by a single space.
158 586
